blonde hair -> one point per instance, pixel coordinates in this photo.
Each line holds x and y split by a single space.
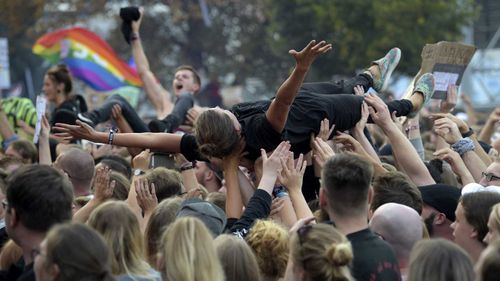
162 217
188 252
323 252
495 216
11 253
237 259
120 228
269 242
439 260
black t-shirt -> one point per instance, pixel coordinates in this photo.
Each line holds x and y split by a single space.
374 259
18 272
255 128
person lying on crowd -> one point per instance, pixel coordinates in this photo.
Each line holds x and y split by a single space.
292 114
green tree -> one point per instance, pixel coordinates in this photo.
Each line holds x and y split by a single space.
363 30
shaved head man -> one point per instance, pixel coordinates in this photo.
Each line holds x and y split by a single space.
79 166
401 227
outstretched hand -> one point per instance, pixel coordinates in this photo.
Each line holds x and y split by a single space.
78 131
306 56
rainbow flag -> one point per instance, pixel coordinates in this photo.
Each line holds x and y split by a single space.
88 57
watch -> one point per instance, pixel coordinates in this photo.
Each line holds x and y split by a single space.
138 172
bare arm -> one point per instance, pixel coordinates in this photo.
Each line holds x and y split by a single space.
450 132
5 130
246 187
159 97
159 141
44 156
277 113
401 147
291 176
358 130
489 127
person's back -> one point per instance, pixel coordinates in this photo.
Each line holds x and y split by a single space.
346 180
374 259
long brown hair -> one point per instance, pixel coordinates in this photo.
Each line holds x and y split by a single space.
215 134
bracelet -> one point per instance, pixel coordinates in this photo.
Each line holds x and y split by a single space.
467 134
463 146
186 166
134 36
111 135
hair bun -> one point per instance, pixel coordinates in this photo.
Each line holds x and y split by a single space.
208 149
339 254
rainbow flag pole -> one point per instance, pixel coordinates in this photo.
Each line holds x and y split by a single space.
88 57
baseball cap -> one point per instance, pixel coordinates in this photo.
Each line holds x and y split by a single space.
212 216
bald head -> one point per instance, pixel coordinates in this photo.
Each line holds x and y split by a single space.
399 225
79 166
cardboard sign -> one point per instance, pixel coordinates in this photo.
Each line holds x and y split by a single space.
447 61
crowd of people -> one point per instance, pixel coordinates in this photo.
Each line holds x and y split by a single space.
325 181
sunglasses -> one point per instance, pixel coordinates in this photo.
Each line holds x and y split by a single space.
490 176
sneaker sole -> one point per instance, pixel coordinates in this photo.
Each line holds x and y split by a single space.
390 70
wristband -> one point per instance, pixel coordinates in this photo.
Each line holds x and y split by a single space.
467 134
463 146
134 36
111 135
279 191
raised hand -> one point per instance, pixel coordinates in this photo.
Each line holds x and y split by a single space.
349 143
462 125
360 126
45 128
193 113
292 174
103 186
324 130
78 131
378 111
116 113
146 195
306 56
450 102
272 164
321 151
141 160
137 24
447 129
359 91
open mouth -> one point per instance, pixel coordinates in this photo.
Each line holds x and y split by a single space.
178 87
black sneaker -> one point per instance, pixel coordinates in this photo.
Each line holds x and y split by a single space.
85 119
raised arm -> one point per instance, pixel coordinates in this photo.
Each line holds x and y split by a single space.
158 141
277 113
402 149
159 96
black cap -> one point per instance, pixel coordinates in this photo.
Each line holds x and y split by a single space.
441 197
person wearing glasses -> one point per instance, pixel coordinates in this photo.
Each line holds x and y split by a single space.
492 175
319 252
